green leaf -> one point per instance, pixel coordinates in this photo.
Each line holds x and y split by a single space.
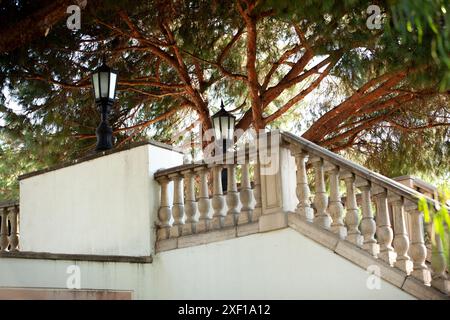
423 206
409 26
439 227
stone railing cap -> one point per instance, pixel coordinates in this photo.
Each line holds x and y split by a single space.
6 204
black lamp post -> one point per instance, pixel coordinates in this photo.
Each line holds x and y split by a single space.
104 80
223 123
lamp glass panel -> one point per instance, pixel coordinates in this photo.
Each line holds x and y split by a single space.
225 127
104 81
231 128
96 88
112 85
217 133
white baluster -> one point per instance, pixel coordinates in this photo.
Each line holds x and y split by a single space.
164 212
401 239
232 197
385 234
418 251
438 264
257 188
4 242
303 193
178 204
218 201
322 218
336 208
246 196
14 222
204 202
351 216
368 225
190 204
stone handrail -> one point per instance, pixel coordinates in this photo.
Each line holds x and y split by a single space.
357 169
401 243
9 226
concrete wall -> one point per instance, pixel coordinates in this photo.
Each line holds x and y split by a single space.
280 264
104 206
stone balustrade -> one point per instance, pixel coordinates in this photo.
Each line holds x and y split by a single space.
385 221
199 202
9 226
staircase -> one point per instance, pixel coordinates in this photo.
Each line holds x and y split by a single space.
378 224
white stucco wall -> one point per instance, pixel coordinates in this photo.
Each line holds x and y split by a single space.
103 206
280 264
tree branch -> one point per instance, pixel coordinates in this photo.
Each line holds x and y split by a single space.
252 75
276 64
299 96
33 26
273 92
229 45
333 118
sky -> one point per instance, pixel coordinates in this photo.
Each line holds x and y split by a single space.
11 103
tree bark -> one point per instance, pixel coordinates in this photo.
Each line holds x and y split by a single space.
34 26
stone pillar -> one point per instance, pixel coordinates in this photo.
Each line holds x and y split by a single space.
14 221
385 234
257 187
246 196
218 200
401 239
232 197
4 242
303 209
418 251
368 225
438 264
190 203
336 208
178 203
278 188
351 217
204 202
164 212
322 218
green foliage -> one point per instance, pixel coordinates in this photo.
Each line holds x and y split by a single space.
426 24
58 118
393 148
440 220
420 153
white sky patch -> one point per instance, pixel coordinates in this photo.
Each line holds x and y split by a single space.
10 103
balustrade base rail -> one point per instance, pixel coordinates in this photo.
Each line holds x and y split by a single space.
206 225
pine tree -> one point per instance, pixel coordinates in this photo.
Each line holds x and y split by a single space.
376 90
